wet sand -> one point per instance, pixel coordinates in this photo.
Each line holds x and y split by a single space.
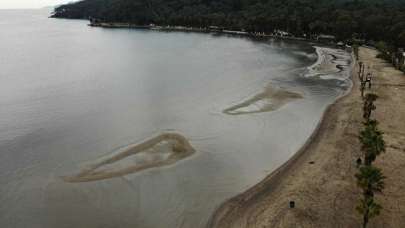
269 100
320 177
162 150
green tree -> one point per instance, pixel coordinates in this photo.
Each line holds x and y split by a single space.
372 141
345 25
370 179
369 209
371 19
385 50
401 39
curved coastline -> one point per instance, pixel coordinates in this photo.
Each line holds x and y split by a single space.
235 206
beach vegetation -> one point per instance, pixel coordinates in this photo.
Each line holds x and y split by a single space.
384 50
370 179
372 141
369 209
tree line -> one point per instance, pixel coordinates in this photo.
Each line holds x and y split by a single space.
370 178
372 20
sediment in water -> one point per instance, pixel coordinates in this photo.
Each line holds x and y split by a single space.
269 100
162 150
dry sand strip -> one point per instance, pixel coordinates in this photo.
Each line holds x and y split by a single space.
320 177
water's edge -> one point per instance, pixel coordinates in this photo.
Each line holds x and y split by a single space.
265 186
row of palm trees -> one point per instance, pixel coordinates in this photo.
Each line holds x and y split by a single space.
370 178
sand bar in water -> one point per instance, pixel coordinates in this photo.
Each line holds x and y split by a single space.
162 150
269 99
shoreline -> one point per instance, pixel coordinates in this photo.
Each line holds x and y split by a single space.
112 25
319 178
265 187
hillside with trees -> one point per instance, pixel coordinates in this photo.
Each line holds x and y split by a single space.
363 19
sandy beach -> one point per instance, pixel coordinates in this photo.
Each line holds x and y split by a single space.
320 177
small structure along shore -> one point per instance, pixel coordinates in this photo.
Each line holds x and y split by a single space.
319 179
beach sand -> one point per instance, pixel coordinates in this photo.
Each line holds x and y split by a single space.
320 177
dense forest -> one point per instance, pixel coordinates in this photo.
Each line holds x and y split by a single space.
362 19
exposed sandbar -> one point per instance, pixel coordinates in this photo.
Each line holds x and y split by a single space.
269 100
162 150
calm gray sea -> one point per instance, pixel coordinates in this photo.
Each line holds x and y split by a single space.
70 94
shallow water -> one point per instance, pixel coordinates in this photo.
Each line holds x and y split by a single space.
71 94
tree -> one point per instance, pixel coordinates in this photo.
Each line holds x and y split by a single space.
369 209
372 141
370 179
345 25
371 20
401 39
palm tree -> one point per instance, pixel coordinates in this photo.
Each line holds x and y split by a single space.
372 141
370 179
369 209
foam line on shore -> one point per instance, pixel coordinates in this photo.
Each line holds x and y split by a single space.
331 64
